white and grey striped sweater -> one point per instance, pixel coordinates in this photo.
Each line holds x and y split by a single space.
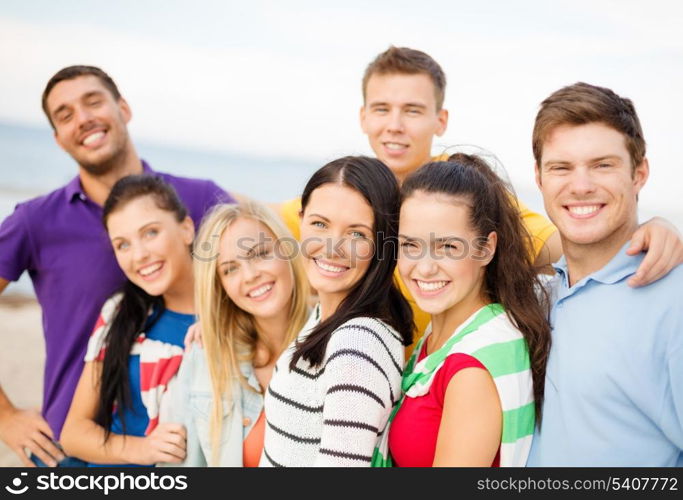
332 415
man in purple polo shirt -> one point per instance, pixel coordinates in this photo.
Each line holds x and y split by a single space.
60 240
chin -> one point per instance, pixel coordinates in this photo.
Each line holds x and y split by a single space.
153 289
431 308
585 237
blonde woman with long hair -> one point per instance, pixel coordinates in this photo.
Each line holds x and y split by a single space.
250 294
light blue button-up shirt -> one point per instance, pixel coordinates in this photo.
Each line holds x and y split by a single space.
192 405
614 381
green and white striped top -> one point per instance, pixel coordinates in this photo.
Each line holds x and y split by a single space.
490 337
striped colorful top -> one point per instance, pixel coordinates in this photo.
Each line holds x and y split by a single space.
490 337
154 361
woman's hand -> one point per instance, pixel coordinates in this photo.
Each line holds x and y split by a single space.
194 334
166 443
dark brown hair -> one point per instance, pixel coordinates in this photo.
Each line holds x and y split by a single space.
71 72
409 62
582 103
376 294
510 278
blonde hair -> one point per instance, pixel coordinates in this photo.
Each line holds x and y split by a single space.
228 332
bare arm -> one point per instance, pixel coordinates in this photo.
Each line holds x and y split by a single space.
84 438
664 246
550 252
24 430
472 421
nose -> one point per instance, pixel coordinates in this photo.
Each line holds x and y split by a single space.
395 121
250 271
582 181
83 115
140 252
426 267
337 247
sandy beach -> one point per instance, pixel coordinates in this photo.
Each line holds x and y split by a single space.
22 358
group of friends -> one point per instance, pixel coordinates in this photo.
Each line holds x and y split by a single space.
402 312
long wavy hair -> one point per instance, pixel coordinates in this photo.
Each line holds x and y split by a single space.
510 278
376 294
132 313
229 333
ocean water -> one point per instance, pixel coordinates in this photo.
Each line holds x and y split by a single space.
31 164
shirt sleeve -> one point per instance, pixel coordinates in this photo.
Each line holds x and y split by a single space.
16 252
183 413
96 343
539 227
452 365
362 383
289 212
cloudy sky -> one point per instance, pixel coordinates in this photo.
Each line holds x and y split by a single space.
283 78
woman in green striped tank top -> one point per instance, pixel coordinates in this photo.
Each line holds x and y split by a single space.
474 384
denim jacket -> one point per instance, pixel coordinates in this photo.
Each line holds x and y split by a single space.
192 403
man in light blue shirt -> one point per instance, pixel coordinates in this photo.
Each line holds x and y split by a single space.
614 379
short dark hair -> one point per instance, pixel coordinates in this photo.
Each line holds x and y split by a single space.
410 62
71 72
582 103
376 294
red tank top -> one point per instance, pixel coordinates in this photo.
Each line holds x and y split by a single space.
415 428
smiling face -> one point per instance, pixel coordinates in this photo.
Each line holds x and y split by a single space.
90 125
400 119
253 274
337 239
441 259
151 246
589 186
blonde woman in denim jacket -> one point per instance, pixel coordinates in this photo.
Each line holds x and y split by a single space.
250 294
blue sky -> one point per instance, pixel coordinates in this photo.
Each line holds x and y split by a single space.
283 78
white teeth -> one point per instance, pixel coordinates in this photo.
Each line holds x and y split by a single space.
327 267
431 286
584 210
92 138
151 269
393 145
260 291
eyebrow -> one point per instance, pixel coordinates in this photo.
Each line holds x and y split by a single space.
447 239
321 216
407 238
406 105
443 239
141 228
249 252
350 225
592 160
84 96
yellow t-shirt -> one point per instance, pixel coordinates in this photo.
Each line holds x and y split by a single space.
538 226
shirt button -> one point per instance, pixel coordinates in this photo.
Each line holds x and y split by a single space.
246 421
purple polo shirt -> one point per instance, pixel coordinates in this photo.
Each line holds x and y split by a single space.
60 240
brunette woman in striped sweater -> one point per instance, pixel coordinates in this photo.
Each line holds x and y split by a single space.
334 387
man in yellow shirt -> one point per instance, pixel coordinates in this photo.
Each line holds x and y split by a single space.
402 112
